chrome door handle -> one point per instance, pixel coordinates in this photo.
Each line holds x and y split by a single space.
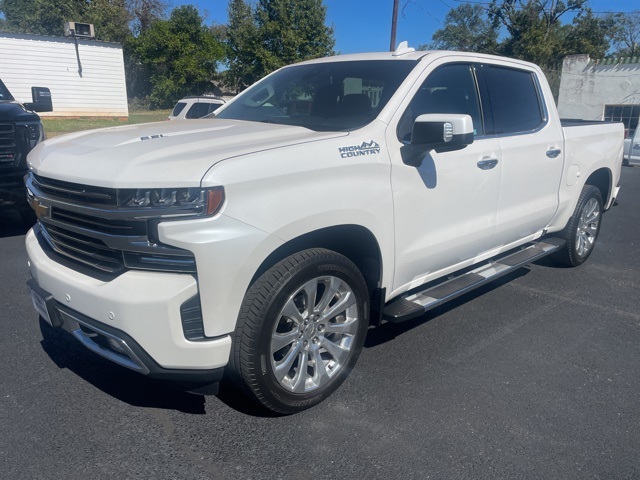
554 152
487 163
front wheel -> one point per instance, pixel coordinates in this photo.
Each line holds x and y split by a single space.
300 331
582 230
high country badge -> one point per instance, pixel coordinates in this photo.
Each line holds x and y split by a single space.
365 148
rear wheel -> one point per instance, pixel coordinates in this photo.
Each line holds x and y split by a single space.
583 228
300 330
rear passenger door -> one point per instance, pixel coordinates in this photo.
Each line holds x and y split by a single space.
531 143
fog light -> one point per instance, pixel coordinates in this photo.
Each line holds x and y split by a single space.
116 345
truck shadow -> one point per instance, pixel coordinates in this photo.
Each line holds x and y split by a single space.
140 391
389 331
127 386
131 387
11 223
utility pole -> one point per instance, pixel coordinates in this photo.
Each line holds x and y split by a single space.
394 22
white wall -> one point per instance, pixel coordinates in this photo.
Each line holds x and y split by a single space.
30 60
586 86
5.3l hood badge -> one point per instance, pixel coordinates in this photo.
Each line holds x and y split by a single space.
365 148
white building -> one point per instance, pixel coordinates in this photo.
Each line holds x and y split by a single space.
88 82
601 89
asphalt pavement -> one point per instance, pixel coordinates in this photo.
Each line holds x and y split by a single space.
535 376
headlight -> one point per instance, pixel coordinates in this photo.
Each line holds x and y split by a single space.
176 201
34 132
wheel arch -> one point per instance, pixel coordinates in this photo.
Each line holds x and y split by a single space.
601 179
355 242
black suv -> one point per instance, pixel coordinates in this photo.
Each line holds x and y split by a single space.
20 131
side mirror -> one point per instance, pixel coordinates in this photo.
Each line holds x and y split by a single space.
442 131
41 100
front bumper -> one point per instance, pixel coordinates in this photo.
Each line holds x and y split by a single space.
12 189
119 347
138 310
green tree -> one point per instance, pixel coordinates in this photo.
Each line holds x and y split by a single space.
466 28
589 34
276 33
181 55
290 31
535 31
145 12
40 17
47 17
627 34
241 39
110 19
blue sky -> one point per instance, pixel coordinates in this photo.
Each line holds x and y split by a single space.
365 25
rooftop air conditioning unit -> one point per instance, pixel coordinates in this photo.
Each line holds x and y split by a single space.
79 30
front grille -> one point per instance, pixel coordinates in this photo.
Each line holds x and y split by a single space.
8 147
83 249
76 192
85 225
99 224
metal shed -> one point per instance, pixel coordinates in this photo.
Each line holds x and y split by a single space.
85 81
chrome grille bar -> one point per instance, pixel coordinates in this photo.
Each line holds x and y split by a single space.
104 236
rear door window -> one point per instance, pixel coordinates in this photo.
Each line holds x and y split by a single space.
514 99
178 108
198 110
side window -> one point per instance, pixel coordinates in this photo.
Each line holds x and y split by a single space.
627 114
514 100
448 89
178 108
198 110
213 107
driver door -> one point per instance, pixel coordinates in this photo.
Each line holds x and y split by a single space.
445 209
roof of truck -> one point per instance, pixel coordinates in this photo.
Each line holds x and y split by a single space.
407 53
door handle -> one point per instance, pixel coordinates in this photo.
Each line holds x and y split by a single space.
554 152
487 163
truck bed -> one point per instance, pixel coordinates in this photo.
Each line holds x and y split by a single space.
576 122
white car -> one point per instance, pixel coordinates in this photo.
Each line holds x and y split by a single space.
195 107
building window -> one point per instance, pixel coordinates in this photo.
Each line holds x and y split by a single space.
627 114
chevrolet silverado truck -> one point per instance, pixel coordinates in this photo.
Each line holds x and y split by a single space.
20 131
331 196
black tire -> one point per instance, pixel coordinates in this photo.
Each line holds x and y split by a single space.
625 162
582 230
268 319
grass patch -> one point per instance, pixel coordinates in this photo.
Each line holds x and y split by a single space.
59 126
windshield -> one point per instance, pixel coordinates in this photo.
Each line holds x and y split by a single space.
322 96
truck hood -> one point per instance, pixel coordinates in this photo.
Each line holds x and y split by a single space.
163 154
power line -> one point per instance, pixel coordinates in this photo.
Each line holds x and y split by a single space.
406 4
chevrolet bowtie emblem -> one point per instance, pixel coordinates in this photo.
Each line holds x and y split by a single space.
40 209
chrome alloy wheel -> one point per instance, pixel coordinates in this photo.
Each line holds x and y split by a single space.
314 334
587 227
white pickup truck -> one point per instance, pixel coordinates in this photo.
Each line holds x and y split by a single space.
329 197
